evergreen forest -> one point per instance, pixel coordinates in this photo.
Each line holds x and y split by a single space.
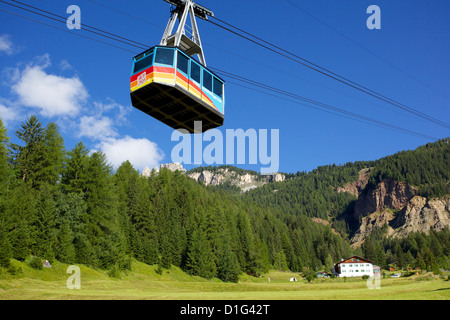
72 206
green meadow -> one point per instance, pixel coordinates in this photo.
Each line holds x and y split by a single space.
143 282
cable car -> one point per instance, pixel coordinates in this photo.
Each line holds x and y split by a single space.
169 84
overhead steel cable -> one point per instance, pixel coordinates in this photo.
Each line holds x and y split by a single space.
291 56
285 94
319 104
124 13
224 50
66 30
365 48
86 27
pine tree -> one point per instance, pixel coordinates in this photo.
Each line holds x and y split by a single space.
101 221
70 209
44 224
75 172
5 247
54 155
200 259
228 268
420 262
5 170
28 159
65 250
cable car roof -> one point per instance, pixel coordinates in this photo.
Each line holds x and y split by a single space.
199 11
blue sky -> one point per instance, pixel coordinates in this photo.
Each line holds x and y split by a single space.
83 85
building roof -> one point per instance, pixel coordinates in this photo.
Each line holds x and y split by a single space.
356 259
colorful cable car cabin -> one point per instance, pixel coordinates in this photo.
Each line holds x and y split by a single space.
170 85
177 90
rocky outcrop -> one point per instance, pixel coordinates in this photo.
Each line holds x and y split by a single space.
277 177
207 177
325 223
422 215
173 167
370 223
396 205
358 186
387 194
245 181
418 215
176 166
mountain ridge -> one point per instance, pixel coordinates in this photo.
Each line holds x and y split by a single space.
372 192
245 180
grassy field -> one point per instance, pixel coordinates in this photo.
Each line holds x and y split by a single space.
144 283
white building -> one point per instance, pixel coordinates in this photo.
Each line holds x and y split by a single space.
355 267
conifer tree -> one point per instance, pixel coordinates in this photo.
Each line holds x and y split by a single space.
200 260
71 208
5 170
65 249
28 159
228 268
44 224
54 154
101 219
5 247
21 215
75 172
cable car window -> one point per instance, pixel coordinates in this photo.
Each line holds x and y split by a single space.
182 62
164 56
143 63
207 80
218 87
139 57
195 72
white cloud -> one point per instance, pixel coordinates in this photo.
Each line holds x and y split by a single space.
6 45
67 97
8 114
96 127
65 65
52 94
140 152
120 112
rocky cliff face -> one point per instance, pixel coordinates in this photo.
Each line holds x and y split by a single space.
418 215
358 186
422 215
387 194
397 205
244 181
171 166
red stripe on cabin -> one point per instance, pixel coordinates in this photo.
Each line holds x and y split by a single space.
151 70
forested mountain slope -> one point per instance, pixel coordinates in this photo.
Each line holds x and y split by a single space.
70 205
321 192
